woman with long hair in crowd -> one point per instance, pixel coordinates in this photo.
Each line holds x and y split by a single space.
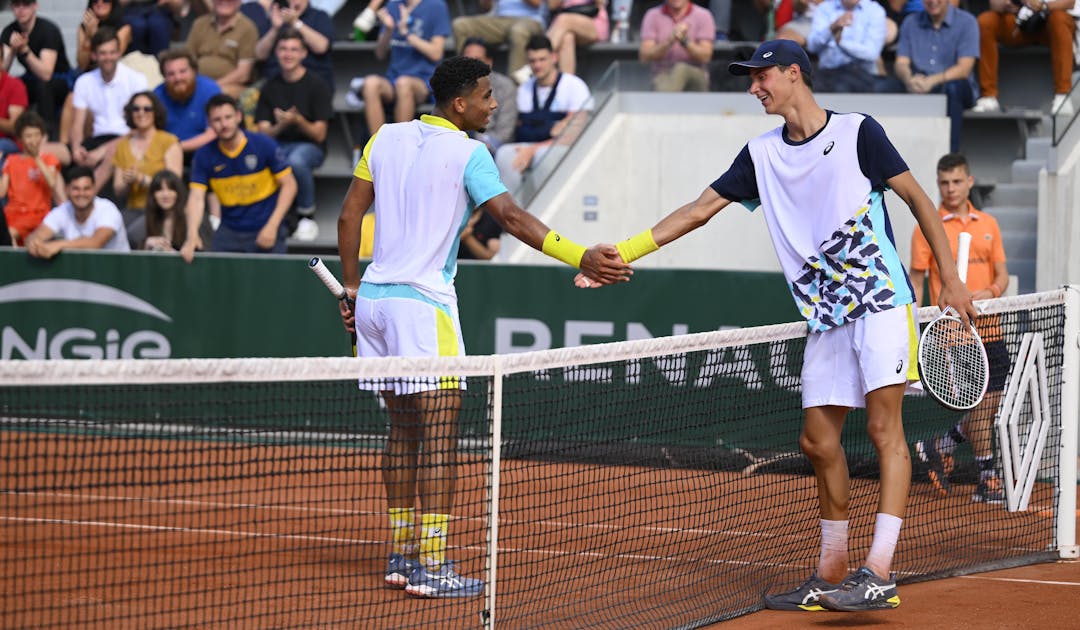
166 222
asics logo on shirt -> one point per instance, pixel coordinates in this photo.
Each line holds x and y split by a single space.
899 366
828 147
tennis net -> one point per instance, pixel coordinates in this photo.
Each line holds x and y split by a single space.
652 483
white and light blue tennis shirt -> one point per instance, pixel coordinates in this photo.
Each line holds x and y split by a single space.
823 200
428 177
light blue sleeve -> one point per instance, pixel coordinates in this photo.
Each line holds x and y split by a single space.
482 177
865 43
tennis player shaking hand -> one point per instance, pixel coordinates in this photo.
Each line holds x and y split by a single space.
424 178
820 180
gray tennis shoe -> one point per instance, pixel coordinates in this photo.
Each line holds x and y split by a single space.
806 596
863 590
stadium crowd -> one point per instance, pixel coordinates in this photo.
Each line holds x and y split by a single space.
135 105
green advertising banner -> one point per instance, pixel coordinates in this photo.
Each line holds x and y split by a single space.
145 305
95 305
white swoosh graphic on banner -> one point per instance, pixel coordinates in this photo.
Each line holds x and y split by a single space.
77 291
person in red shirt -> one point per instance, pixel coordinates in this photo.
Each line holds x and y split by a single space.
987 277
14 101
30 180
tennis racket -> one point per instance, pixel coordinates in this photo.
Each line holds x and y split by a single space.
953 366
335 287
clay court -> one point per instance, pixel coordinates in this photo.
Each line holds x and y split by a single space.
105 532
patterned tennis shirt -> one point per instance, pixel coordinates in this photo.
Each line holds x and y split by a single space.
823 200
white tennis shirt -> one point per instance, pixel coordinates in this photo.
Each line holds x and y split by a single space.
428 177
823 200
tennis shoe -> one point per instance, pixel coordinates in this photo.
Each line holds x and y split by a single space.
398 570
442 582
306 229
940 466
863 590
806 596
989 490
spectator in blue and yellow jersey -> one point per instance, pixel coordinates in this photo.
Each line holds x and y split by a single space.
249 174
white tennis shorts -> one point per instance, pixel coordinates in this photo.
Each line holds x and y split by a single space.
842 364
397 321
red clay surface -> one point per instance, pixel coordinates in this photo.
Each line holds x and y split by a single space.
105 533
1037 596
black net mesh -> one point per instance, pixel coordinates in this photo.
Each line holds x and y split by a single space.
662 492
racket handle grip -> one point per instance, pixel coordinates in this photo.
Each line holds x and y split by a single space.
963 250
316 265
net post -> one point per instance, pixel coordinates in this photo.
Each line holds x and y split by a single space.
496 465
1070 417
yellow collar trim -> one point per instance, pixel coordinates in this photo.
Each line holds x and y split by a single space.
438 121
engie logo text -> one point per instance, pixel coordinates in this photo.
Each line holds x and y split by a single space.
76 319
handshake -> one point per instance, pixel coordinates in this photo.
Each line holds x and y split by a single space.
605 264
601 265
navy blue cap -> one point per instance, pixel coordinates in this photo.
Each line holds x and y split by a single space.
775 52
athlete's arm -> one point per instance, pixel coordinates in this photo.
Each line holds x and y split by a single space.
358 199
601 262
953 292
684 220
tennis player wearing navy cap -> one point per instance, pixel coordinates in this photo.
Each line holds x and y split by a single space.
820 180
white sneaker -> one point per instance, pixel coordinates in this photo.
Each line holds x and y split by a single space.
365 21
306 230
521 75
1061 106
354 100
987 104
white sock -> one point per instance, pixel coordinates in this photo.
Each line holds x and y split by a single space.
834 549
886 533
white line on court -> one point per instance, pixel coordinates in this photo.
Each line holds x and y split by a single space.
1025 581
302 537
348 512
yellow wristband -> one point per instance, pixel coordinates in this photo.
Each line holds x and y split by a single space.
637 246
561 248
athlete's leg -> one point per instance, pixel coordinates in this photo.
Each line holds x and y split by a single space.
885 427
399 470
438 470
438 474
820 441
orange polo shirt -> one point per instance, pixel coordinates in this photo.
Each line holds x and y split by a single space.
986 249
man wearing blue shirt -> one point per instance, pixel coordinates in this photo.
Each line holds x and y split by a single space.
414 34
248 173
184 94
847 36
936 54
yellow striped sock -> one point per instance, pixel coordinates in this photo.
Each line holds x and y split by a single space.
433 539
402 531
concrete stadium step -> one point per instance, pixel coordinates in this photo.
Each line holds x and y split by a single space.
1038 148
1019 245
1027 171
1014 218
1024 270
1013 194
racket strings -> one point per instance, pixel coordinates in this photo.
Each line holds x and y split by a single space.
953 363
